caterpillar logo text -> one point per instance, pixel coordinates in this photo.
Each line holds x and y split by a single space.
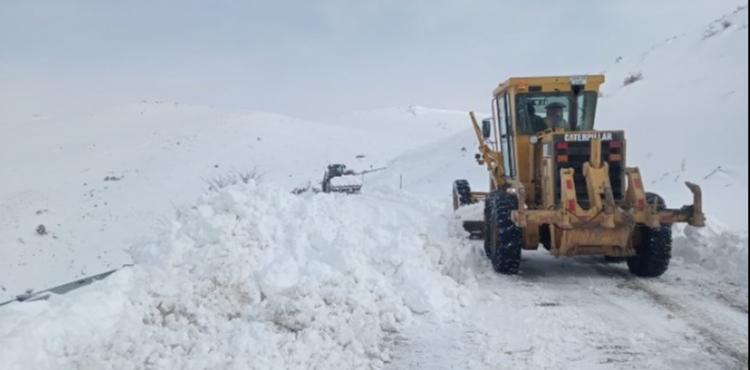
603 136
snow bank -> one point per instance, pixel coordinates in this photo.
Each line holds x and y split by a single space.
715 248
251 278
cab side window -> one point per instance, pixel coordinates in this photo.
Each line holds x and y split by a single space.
506 134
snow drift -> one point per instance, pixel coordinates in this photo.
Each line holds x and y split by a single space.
716 248
250 278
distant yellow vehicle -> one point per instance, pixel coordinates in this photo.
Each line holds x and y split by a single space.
555 180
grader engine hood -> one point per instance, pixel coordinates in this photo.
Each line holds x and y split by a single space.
573 150
587 180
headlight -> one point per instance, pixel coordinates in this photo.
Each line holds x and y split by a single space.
533 140
578 80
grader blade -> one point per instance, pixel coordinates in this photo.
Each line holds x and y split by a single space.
475 229
595 241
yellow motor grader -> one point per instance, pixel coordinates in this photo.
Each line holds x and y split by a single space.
556 181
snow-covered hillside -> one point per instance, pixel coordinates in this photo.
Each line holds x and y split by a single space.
687 119
430 170
250 276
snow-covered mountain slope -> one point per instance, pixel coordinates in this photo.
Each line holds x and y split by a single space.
99 180
687 119
430 170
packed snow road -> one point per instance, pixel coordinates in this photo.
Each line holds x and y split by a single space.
584 314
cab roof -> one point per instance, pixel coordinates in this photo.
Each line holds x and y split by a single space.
548 83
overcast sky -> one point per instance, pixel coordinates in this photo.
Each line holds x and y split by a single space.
315 58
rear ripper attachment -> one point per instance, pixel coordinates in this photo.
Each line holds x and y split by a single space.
598 204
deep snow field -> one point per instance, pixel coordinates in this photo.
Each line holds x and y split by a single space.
251 276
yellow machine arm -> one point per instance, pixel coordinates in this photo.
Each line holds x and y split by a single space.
493 159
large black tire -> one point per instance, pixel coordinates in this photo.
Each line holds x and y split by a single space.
507 238
462 191
654 249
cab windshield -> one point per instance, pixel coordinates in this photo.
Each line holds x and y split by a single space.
548 110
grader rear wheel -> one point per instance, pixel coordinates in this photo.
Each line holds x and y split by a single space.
506 241
654 247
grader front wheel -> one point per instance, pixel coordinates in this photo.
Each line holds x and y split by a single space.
461 194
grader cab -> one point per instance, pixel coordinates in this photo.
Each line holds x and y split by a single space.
556 181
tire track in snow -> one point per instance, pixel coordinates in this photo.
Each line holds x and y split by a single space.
605 321
721 339
740 306
554 315
582 313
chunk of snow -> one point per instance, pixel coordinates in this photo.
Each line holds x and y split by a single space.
716 248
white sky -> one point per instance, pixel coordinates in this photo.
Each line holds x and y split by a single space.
313 59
